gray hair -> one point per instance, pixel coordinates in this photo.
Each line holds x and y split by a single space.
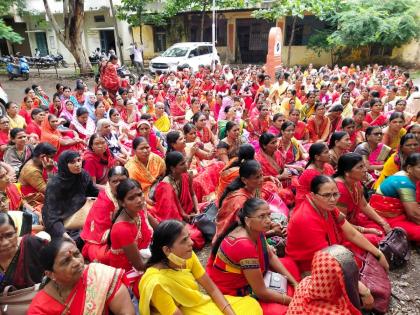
101 123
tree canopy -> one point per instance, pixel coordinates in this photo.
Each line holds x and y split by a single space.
6 32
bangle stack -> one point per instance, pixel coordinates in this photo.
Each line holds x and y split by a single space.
225 307
379 255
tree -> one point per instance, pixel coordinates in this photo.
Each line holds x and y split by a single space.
365 24
296 9
6 32
71 36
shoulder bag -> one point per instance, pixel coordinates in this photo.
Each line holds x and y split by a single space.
396 248
17 302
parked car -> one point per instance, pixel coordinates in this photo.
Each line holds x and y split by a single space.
191 54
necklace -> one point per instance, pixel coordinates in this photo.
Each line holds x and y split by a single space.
136 220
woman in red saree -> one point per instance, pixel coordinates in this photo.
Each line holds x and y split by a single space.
278 120
351 170
291 149
317 224
97 226
375 116
260 124
4 135
273 166
178 109
97 159
61 142
319 125
318 164
333 286
174 196
144 130
240 258
348 125
109 77
301 130
203 132
75 288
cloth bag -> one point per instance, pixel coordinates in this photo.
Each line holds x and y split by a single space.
396 248
206 221
376 279
17 302
77 220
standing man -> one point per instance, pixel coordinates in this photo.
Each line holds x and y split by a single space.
138 58
131 52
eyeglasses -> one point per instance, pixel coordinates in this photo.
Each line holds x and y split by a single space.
328 196
262 217
7 236
377 134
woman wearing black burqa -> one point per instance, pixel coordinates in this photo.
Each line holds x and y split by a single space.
66 193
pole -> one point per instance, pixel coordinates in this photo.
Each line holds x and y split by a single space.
213 36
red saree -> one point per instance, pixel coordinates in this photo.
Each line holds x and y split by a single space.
317 132
14 196
91 295
169 206
300 130
205 135
109 78
309 231
378 121
205 183
4 139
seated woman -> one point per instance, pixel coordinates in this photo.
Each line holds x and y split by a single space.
400 106
76 288
319 125
18 152
360 124
240 258
351 170
394 163
317 224
145 166
318 164
230 118
67 194
175 197
203 132
68 112
395 131
375 116
332 287
97 160
259 124
4 135
373 151
20 256
301 130
131 232
61 142
96 228
170 284
117 149
162 122
348 125
83 124
144 129
340 143
34 174
277 122
395 198
291 149
335 116
228 147
203 155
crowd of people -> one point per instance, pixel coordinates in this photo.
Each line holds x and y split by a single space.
102 189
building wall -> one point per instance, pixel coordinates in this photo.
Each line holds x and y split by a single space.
148 42
409 53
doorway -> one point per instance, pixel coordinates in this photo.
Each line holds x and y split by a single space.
41 43
107 40
252 40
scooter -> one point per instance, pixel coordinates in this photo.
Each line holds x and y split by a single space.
18 70
123 72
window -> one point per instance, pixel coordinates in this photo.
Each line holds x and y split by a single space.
99 18
204 50
159 39
193 53
304 29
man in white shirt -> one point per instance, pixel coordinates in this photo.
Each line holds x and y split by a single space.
138 58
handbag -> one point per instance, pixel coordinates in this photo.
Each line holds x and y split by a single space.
396 248
275 281
376 279
16 302
77 220
206 221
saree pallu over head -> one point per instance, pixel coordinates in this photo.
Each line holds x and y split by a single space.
332 287
227 176
50 135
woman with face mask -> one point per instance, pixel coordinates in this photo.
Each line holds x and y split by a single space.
170 284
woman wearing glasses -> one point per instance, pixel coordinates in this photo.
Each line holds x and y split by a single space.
318 223
373 151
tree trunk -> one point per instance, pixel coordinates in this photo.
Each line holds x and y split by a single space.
292 37
202 26
118 38
73 14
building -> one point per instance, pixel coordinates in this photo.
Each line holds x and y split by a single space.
98 32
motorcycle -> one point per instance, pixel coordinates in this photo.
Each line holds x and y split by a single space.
123 72
15 70
59 60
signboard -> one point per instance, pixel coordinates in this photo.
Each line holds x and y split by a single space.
273 63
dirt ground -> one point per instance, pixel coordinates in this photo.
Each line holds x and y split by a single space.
405 281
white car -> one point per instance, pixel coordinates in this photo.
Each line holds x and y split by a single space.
192 54
3 100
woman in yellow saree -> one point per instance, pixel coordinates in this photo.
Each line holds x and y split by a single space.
170 284
162 122
145 166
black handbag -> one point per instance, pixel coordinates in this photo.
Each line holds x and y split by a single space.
206 221
396 248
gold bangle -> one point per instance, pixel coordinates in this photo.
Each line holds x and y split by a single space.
225 307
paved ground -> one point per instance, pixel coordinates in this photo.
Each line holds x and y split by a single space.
406 281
